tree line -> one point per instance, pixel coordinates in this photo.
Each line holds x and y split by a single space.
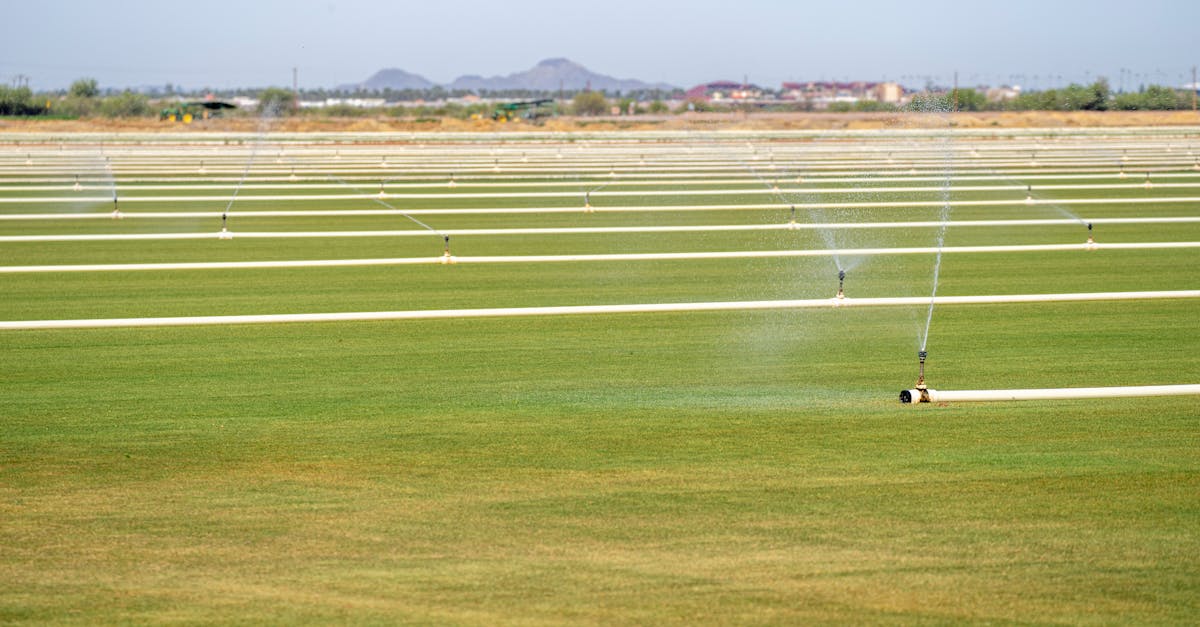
85 99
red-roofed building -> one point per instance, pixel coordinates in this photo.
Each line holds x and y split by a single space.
724 90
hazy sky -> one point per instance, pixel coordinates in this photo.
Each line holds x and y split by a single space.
257 42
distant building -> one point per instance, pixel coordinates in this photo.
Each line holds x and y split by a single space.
726 91
821 94
358 103
1002 93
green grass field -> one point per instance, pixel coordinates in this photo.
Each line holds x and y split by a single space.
714 467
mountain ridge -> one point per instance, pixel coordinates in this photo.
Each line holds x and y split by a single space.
547 75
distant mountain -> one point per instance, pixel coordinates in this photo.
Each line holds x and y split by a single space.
550 75
392 78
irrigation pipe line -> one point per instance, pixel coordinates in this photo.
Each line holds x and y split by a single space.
1045 394
464 176
506 312
644 209
640 180
604 194
744 254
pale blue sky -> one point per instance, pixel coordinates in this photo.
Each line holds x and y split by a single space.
257 42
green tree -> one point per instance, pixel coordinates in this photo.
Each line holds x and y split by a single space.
84 88
276 101
125 105
659 107
589 103
18 101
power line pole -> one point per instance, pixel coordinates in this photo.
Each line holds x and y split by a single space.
1195 88
955 91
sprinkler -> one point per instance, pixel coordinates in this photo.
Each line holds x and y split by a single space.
225 234
116 214
587 202
919 393
1147 184
446 257
28 159
77 186
775 187
1029 194
382 194
792 219
496 167
292 176
452 183
841 293
1121 174
1091 243
201 166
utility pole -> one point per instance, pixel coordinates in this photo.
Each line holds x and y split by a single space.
295 88
955 91
1195 88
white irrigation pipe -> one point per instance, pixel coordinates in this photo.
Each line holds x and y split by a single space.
1045 394
573 194
504 312
659 208
742 254
796 226
627 179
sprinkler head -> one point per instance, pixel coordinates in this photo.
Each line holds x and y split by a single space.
841 279
446 257
919 393
1091 242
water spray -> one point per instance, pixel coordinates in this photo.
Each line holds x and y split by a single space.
919 393
446 257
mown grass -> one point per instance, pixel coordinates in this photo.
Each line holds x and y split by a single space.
722 467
